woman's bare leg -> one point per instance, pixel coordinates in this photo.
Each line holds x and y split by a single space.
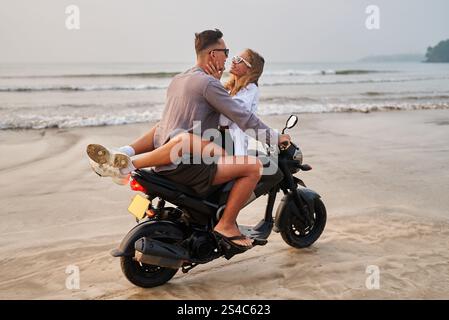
175 148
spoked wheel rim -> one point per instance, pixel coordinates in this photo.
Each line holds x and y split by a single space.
147 269
299 230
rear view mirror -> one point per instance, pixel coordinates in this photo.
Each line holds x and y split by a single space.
291 122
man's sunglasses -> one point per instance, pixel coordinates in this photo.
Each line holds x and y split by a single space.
238 59
226 51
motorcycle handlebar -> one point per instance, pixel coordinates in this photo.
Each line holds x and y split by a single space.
294 163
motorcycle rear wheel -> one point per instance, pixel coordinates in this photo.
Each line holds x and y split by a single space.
296 235
146 275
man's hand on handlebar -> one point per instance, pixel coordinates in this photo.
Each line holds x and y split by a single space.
284 141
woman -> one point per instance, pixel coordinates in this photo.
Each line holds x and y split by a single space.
243 86
118 164
245 72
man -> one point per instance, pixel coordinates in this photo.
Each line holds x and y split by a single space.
195 97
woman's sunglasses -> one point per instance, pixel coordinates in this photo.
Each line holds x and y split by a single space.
238 59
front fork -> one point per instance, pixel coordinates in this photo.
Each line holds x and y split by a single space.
270 204
304 213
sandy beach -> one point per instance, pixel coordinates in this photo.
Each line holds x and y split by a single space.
383 177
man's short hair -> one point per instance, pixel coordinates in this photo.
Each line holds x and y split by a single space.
207 38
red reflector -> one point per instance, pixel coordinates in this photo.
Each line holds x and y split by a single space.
150 213
136 186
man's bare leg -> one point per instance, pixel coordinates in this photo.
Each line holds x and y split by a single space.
247 175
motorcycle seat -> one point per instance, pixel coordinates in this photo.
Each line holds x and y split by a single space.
152 177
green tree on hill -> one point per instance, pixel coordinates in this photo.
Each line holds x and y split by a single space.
439 53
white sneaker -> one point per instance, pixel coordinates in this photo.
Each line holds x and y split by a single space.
105 170
104 156
123 180
107 163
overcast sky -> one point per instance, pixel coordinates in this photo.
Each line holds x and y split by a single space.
163 30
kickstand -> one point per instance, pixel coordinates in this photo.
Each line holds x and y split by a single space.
188 267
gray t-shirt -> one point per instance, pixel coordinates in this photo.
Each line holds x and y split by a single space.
196 96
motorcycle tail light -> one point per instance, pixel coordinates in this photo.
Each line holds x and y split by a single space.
136 186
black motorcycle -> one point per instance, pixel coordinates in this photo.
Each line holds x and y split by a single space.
167 238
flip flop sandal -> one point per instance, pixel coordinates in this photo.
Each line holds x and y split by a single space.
229 241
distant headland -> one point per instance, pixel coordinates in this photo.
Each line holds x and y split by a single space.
439 53
436 54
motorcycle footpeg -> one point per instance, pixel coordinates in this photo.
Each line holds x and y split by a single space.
228 250
259 242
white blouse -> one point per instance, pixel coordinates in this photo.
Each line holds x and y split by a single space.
247 98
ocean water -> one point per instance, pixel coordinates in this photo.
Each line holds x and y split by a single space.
36 96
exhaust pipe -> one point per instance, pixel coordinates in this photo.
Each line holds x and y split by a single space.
150 251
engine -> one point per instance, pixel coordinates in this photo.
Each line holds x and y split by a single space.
202 245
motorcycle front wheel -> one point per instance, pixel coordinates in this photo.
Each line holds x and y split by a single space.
295 234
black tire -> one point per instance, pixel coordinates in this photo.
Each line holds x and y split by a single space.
299 237
145 275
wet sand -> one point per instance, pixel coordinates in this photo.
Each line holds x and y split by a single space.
383 176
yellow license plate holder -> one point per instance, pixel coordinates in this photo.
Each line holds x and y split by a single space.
139 206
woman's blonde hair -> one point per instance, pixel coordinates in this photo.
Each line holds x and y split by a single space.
257 62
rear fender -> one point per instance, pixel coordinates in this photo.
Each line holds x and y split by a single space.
153 229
